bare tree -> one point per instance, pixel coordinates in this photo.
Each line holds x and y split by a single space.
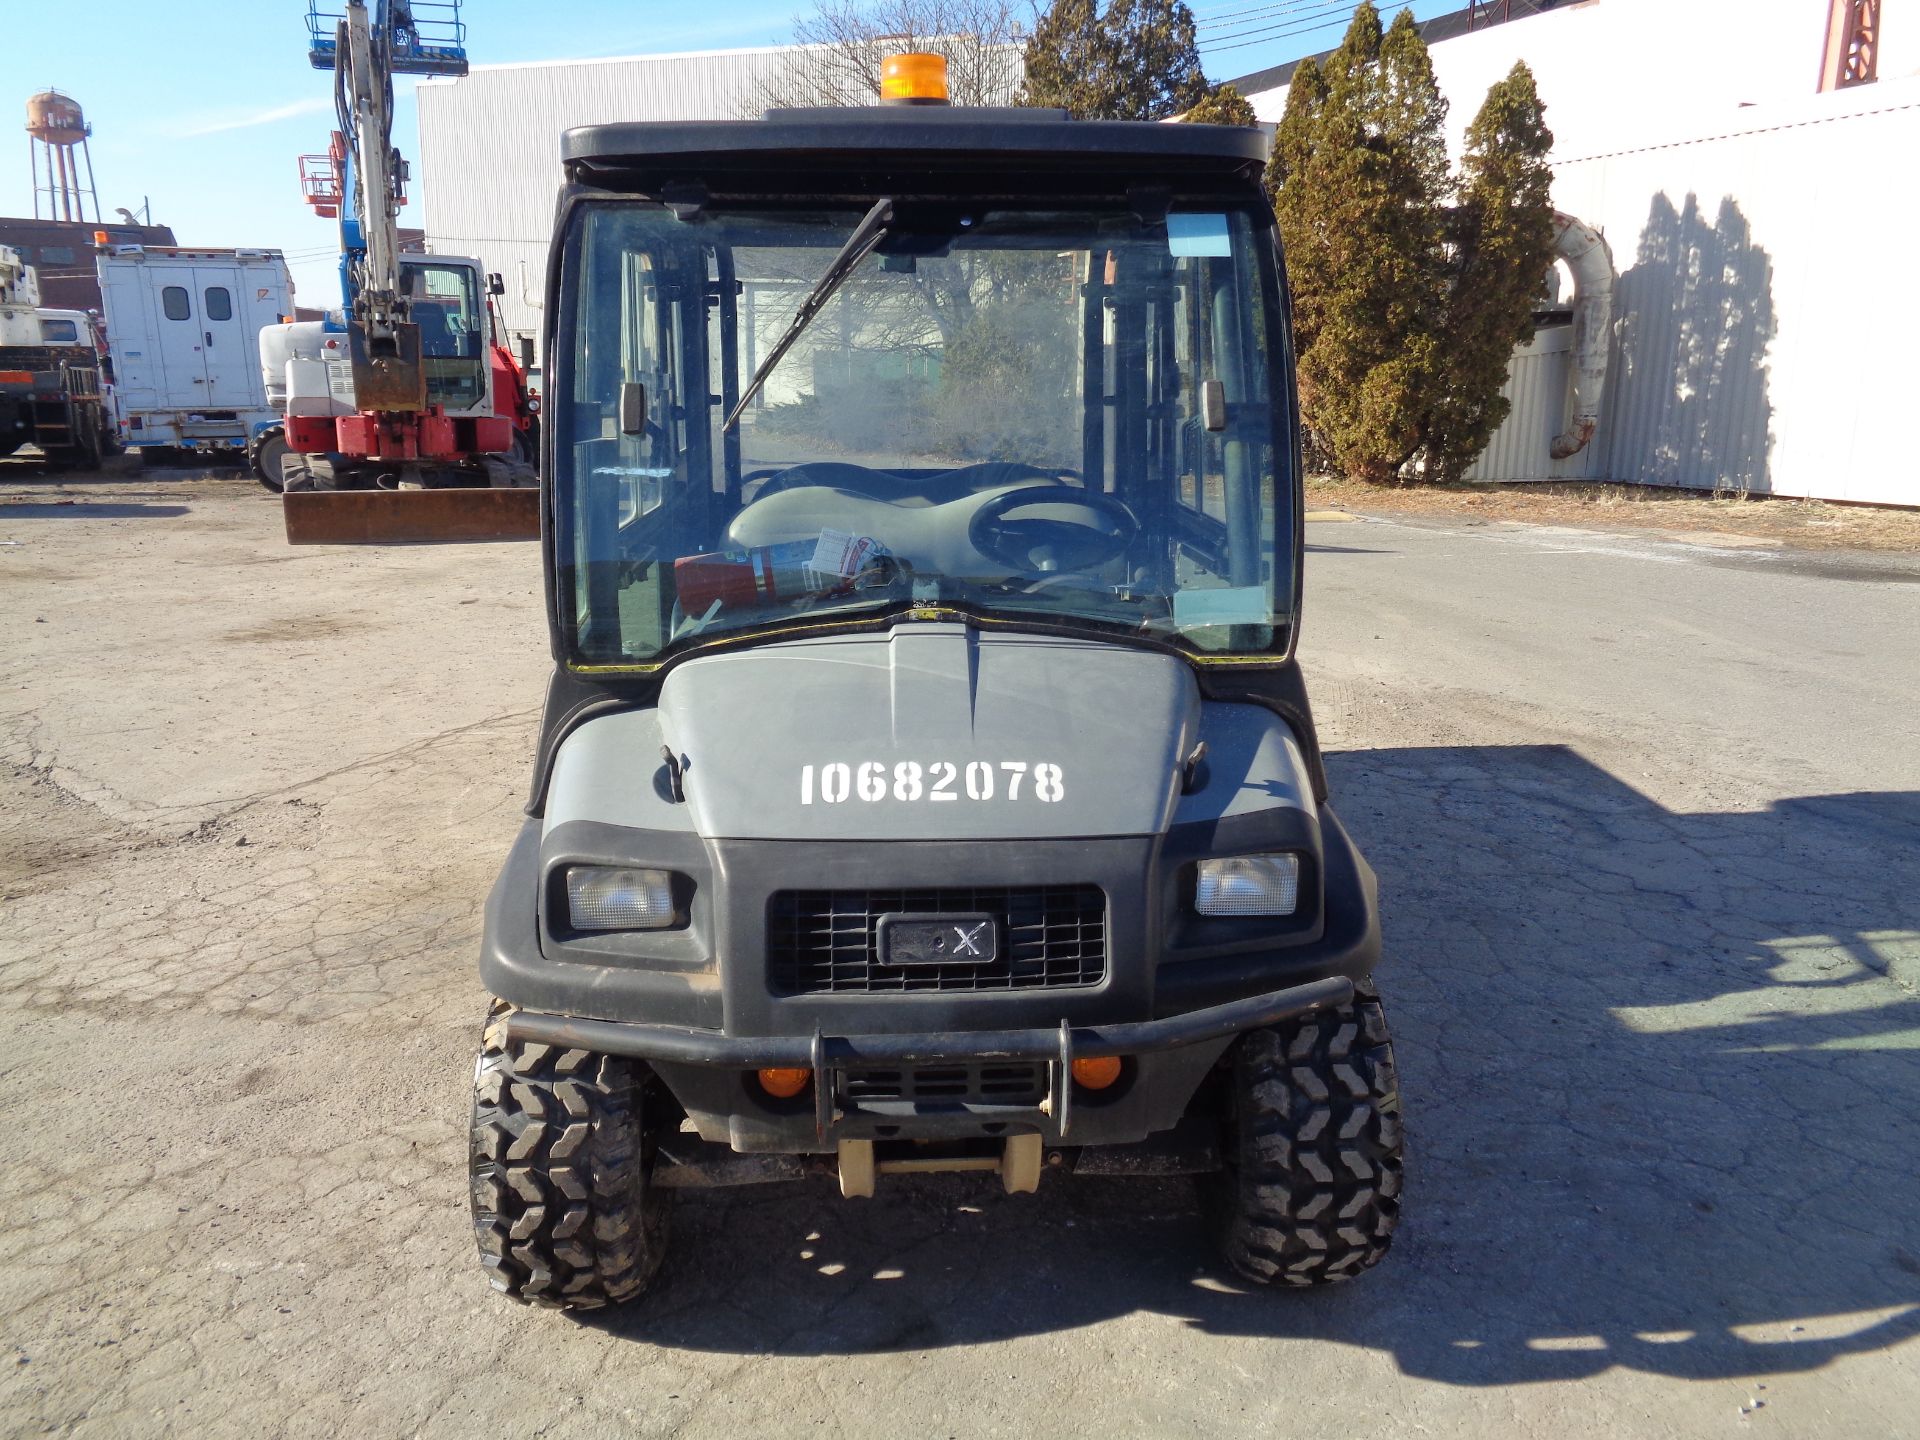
844 42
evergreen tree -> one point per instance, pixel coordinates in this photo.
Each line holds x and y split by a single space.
1131 60
1222 105
1366 171
1294 146
1502 246
1405 308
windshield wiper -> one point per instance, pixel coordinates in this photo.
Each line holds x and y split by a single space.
867 234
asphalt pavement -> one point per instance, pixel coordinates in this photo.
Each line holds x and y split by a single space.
1646 814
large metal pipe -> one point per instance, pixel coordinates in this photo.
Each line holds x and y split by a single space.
1587 256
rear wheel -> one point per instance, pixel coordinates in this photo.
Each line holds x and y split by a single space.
562 1205
93 446
1311 1189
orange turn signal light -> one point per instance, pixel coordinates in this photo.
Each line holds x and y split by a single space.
915 78
784 1082
1096 1073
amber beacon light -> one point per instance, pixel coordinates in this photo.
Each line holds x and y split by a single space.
914 79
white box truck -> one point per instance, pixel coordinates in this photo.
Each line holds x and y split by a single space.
183 327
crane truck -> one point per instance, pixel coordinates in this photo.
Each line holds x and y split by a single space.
404 419
51 394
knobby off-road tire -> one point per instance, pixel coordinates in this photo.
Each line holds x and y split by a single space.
562 1207
1311 1190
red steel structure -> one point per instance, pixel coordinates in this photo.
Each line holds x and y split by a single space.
1853 44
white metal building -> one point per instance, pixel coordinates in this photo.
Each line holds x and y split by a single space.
1763 340
490 145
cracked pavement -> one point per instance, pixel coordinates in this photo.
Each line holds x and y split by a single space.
1647 822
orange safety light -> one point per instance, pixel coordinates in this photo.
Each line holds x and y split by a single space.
1096 1072
783 1083
914 79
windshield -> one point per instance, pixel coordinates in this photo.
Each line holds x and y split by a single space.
446 307
1054 417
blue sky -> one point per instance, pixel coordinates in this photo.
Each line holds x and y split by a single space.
201 107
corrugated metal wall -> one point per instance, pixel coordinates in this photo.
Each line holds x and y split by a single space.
1762 342
1757 345
1764 322
1537 385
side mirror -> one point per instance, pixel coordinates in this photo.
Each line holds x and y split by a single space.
1213 405
495 285
633 408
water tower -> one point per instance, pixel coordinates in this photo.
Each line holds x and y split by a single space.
57 144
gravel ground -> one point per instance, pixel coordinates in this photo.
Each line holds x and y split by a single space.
1647 819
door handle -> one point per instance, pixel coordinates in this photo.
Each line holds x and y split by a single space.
209 339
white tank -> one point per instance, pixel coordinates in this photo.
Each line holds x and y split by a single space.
306 369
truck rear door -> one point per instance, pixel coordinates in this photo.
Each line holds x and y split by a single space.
133 315
231 353
262 296
181 346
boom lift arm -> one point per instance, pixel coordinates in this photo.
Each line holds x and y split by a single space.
365 52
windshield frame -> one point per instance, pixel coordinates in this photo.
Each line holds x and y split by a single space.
564 317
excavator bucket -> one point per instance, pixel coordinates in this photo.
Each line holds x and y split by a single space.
387 375
411 517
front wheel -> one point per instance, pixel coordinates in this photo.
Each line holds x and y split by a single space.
1311 1190
563 1207
267 455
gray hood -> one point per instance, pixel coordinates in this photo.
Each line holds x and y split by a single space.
931 732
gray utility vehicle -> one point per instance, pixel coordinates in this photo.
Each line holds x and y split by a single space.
926 780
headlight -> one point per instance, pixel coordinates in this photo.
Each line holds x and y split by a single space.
1249 885
602 898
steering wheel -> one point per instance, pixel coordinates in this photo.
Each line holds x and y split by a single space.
1052 545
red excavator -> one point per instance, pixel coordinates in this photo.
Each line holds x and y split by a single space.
406 417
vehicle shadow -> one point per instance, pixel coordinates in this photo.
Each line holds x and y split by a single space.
1661 1094
87 510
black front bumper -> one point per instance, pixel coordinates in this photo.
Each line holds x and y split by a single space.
699 1010
820 1051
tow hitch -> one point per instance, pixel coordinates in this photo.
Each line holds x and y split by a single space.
1018 1165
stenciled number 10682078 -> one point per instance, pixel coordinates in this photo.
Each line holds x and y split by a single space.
908 780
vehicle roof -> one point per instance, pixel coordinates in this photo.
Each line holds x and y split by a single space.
973 138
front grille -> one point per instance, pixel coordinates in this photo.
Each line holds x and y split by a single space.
978 1083
826 941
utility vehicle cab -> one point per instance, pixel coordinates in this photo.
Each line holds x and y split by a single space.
926 780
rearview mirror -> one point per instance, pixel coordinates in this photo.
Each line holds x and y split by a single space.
1213 405
633 408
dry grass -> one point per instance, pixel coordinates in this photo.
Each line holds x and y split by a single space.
1814 524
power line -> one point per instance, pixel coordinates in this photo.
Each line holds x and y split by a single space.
1207 22
1263 38
1314 10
